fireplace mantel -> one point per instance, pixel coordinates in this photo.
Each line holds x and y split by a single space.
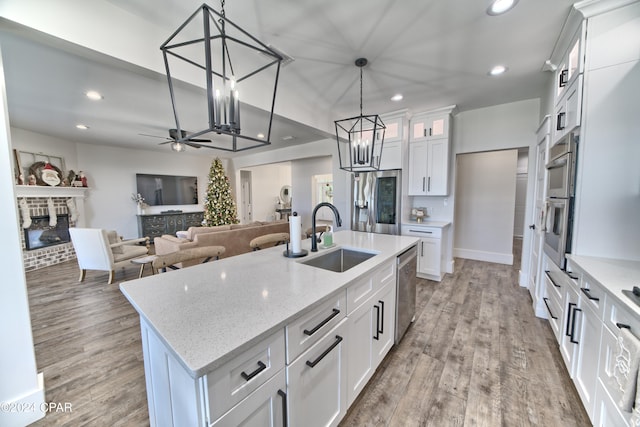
44 191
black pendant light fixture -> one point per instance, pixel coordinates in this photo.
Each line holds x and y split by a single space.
360 138
225 57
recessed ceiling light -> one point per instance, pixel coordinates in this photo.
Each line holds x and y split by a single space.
497 70
397 97
93 95
498 7
82 127
261 135
287 138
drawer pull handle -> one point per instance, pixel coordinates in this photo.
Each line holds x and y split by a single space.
283 395
587 292
327 351
377 335
381 316
573 326
552 282
623 326
321 324
548 309
420 231
248 377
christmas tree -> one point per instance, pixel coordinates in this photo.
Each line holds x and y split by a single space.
219 207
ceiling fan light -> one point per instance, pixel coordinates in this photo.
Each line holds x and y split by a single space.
178 147
498 7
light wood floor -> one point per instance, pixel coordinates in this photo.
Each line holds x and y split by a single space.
476 355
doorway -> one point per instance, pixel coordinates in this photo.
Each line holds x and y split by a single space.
245 197
485 206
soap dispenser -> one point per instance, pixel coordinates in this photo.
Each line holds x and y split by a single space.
328 237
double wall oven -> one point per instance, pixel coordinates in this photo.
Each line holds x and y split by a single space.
561 172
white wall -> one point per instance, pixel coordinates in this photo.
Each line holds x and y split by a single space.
111 173
266 182
505 126
20 383
485 203
317 154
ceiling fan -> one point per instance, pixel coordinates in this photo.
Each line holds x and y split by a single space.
173 139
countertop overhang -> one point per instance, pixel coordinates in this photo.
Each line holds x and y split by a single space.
208 313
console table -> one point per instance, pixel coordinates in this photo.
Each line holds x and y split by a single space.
154 225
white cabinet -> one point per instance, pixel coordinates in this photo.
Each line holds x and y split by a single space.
568 111
426 126
394 137
371 334
266 406
570 328
317 382
429 147
571 63
429 168
430 250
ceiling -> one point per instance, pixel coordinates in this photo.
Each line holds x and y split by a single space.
436 53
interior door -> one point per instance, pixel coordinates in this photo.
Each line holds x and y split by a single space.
535 254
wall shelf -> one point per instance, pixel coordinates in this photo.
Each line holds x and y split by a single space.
45 191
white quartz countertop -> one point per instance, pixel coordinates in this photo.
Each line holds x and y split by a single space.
208 313
426 223
614 274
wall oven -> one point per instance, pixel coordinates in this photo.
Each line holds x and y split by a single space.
561 172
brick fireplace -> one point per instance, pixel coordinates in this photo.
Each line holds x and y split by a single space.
37 202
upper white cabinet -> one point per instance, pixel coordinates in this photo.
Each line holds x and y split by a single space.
429 148
569 57
426 126
394 140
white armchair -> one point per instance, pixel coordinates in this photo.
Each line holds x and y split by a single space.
98 249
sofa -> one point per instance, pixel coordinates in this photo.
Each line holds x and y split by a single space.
235 238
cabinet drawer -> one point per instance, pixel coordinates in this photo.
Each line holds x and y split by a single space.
303 332
236 379
554 286
615 313
423 231
554 314
607 413
363 289
593 294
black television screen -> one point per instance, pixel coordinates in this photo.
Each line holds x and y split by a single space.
158 190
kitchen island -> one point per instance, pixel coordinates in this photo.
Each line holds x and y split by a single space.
207 328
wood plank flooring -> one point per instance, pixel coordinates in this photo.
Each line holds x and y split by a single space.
475 356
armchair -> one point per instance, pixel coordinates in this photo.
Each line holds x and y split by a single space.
98 249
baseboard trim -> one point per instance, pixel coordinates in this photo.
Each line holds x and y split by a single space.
496 257
33 404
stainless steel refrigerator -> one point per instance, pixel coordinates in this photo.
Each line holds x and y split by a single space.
376 198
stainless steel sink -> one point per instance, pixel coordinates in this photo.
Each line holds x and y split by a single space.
339 260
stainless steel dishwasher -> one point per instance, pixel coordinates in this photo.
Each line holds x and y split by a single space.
405 290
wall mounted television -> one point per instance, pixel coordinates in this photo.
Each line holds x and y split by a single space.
161 190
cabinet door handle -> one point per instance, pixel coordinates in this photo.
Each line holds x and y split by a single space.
548 309
550 279
421 247
424 131
283 395
570 308
421 231
321 324
429 184
423 186
377 335
622 326
430 132
248 377
327 351
587 292
381 316
573 326
564 77
560 121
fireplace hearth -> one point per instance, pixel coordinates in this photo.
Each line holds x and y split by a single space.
41 234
